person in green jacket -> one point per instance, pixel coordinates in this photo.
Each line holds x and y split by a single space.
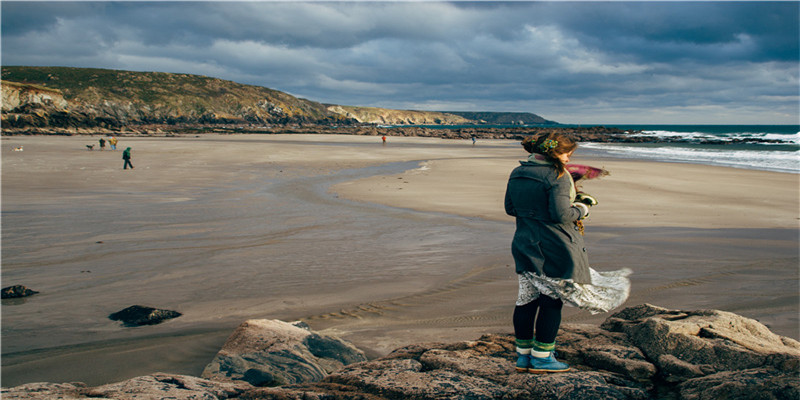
126 155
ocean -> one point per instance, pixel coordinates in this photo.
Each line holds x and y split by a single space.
738 147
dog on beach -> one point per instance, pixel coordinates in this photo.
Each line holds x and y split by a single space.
18 148
90 146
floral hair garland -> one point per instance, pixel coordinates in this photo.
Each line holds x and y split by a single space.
548 144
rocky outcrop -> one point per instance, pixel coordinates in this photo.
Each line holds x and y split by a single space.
17 291
272 353
155 386
17 94
142 315
643 352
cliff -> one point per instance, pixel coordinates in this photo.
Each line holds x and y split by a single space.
68 100
385 116
642 352
110 98
505 118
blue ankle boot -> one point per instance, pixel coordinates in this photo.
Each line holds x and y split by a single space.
523 362
546 365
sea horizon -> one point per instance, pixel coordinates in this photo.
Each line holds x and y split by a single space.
773 147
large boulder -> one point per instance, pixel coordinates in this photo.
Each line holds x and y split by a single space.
688 344
272 352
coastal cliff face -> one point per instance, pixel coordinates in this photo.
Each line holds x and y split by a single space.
16 95
384 116
110 98
59 98
642 352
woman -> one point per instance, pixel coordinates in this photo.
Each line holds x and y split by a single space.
550 254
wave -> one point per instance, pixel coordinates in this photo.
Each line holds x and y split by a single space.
767 160
779 138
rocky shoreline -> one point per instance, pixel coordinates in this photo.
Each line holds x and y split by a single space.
642 352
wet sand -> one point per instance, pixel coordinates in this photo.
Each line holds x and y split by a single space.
384 245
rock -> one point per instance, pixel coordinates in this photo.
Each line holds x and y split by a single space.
592 347
482 369
44 390
757 383
16 291
156 386
257 377
142 315
642 352
285 352
712 340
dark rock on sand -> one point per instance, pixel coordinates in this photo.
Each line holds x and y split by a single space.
643 352
16 291
142 315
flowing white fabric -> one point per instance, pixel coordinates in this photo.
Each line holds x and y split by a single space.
608 290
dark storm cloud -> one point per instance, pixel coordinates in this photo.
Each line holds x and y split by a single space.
616 61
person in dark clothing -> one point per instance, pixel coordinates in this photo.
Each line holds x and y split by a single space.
126 155
549 252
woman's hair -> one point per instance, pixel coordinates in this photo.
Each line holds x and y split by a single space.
551 145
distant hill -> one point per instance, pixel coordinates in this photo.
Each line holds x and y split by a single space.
503 118
112 97
410 117
91 97
373 115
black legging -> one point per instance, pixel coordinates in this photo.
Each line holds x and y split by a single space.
547 322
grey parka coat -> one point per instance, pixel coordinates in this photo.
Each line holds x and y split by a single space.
547 241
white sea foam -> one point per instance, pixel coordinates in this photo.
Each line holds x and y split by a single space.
781 161
725 137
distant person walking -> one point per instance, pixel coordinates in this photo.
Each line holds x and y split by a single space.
384 139
473 140
112 142
550 254
126 155
102 144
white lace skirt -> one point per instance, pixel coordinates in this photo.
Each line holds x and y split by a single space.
608 290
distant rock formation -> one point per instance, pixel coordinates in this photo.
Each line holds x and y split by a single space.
642 352
502 118
143 315
386 116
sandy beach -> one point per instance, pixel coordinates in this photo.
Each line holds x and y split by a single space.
382 244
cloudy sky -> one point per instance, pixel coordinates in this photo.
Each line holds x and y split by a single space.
573 62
